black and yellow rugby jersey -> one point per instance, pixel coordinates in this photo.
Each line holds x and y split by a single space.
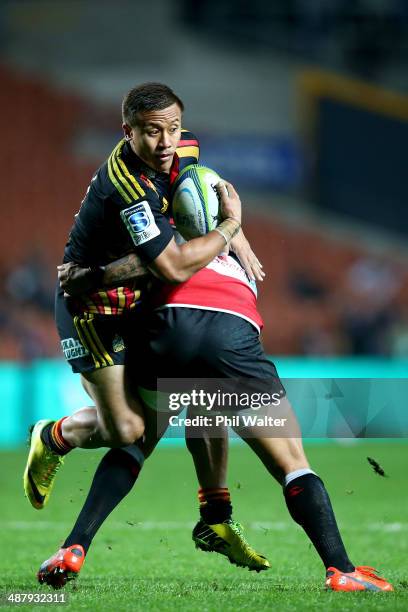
125 209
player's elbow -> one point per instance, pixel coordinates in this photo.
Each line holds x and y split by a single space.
177 277
173 265
173 274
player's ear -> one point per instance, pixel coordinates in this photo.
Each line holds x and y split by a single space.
127 130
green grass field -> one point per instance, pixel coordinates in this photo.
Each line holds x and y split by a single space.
143 558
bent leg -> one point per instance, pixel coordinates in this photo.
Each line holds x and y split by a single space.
82 429
305 494
117 419
113 480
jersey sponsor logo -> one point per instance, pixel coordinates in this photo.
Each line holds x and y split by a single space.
228 266
140 223
73 348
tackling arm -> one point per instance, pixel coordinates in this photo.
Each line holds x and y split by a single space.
174 264
177 263
76 280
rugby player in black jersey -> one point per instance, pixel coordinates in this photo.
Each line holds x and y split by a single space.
125 210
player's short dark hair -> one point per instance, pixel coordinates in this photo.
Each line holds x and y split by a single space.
147 97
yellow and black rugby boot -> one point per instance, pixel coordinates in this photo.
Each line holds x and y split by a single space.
227 539
41 468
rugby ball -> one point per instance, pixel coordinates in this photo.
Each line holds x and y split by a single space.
195 201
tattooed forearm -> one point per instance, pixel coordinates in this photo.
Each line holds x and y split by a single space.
128 268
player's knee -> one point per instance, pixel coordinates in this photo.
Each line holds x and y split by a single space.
131 430
128 431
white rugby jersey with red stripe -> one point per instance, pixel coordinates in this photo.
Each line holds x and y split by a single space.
223 285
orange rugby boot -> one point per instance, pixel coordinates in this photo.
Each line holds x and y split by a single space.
63 566
364 578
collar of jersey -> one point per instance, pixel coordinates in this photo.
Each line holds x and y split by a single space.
134 160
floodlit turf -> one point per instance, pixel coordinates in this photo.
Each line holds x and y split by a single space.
143 559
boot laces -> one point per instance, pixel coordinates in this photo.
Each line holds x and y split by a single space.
369 571
54 462
245 547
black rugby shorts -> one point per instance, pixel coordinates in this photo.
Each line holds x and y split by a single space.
92 341
192 343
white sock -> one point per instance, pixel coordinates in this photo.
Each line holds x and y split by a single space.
296 474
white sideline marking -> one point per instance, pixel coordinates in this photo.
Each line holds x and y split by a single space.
389 527
143 526
182 525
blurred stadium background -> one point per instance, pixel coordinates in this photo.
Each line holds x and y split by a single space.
303 105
